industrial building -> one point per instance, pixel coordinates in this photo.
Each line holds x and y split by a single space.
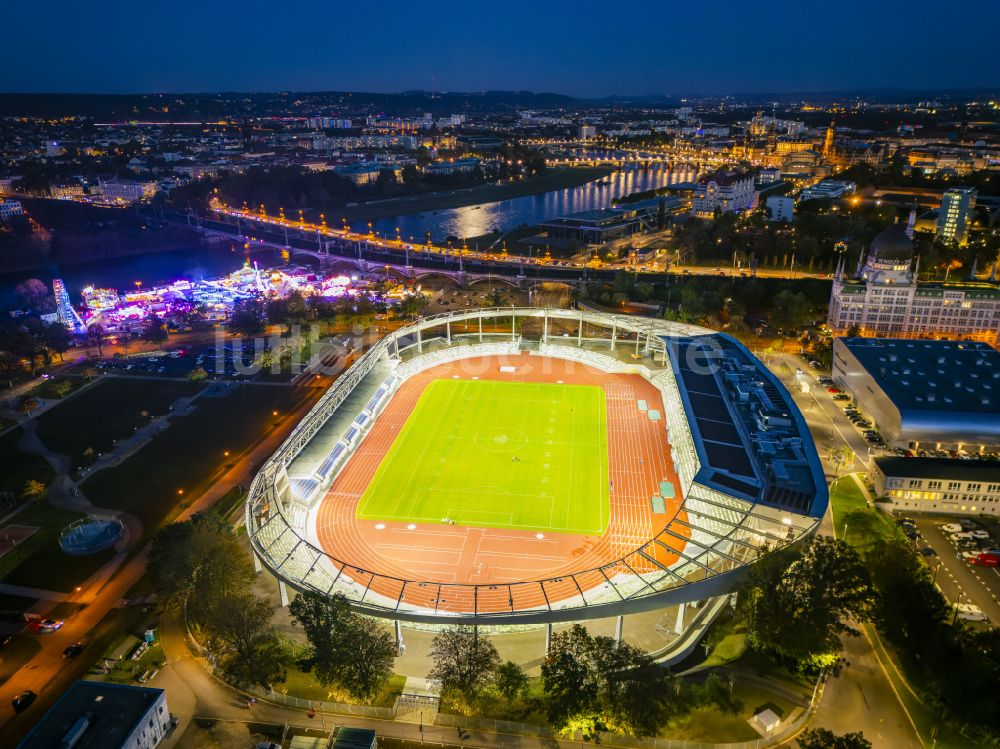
934 395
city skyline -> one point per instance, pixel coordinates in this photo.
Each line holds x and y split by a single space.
658 50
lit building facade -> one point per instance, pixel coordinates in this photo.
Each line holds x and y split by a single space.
955 215
938 484
724 192
9 209
885 299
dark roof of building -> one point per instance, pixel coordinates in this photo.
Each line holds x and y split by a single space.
354 738
892 245
751 440
940 468
951 377
112 712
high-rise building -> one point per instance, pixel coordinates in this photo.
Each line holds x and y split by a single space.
883 298
957 205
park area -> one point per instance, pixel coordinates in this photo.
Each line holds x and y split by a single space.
110 410
183 460
530 456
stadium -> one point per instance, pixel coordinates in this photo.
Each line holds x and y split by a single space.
529 466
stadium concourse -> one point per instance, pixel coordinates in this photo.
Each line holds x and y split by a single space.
527 466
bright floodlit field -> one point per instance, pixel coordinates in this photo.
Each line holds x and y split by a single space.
529 456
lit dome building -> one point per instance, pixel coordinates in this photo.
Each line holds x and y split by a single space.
884 298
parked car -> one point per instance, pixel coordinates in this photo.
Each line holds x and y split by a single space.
980 534
970 612
834 390
985 560
927 551
841 397
73 650
967 525
951 528
23 701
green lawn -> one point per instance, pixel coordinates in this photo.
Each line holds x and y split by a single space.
187 456
39 562
18 467
110 410
855 522
498 454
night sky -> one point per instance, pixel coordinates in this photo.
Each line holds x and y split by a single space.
579 48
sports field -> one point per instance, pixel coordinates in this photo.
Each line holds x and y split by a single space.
498 454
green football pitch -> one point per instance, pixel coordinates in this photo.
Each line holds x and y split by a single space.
529 456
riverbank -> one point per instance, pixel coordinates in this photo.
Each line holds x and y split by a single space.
554 179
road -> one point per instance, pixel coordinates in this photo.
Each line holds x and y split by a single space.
48 663
861 698
959 581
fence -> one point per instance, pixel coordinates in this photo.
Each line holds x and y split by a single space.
790 729
338 708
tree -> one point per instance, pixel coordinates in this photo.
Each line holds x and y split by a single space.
345 648
33 489
797 603
510 680
35 295
250 650
95 337
197 374
154 330
247 317
198 563
463 660
61 388
823 738
57 338
593 682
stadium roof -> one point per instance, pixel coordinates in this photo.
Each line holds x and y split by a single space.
751 440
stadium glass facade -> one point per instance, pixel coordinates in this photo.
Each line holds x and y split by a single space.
774 497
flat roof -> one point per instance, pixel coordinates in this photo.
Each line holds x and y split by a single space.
354 738
751 440
115 710
933 376
940 468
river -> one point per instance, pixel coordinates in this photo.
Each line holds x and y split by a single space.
470 221
473 221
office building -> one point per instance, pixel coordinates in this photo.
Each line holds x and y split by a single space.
126 191
955 214
9 209
723 192
883 298
586 132
831 189
938 484
101 715
367 172
452 166
781 208
933 395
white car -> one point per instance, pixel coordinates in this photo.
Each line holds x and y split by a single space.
980 534
970 612
951 528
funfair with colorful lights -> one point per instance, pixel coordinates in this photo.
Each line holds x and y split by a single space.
213 299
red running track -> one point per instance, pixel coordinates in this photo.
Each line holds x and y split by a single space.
497 559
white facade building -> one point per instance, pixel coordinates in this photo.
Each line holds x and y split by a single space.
724 192
782 208
9 209
126 191
884 298
955 215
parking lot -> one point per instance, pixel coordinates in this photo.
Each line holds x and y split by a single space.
959 581
233 360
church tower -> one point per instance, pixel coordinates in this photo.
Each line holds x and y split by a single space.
828 147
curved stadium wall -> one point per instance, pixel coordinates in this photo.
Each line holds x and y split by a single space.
728 519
